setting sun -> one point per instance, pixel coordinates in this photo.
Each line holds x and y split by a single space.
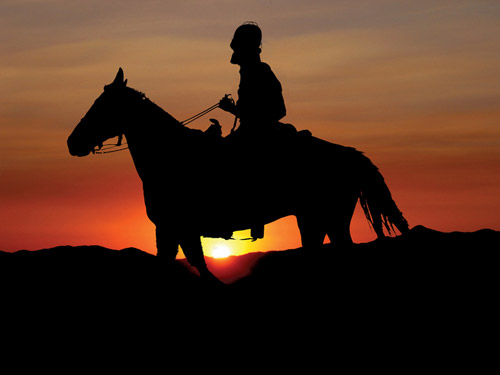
221 251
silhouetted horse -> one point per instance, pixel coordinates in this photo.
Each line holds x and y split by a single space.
196 184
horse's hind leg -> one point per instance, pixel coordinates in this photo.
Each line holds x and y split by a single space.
339 226
312 232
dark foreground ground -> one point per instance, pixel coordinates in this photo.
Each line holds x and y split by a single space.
431 290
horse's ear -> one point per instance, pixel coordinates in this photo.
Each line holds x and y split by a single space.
119 79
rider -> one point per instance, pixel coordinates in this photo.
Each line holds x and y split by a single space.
260 102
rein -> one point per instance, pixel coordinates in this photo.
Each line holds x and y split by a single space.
108 148
199 115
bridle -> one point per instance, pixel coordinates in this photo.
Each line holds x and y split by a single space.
108 148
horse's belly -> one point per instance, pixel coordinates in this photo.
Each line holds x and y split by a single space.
244 212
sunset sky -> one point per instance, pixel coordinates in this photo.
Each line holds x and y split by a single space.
413 84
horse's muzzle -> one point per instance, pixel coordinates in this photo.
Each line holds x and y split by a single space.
76 148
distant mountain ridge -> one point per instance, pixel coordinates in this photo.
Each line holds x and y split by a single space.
230 269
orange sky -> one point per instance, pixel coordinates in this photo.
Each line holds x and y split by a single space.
415 85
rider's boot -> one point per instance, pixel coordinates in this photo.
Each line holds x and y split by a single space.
257 232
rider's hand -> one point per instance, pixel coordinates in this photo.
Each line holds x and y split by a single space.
215 129
227 104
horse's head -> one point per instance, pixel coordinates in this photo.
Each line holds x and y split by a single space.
103 120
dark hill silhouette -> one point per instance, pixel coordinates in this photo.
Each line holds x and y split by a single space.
421 293
425 290
92 276
422 264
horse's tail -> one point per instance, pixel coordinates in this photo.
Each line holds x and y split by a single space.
376 200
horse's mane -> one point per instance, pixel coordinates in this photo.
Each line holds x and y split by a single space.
155 109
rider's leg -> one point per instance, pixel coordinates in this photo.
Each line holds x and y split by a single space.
257 232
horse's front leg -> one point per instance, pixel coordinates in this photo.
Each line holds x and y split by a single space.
191 246
167 245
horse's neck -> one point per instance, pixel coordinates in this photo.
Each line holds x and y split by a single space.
148 132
